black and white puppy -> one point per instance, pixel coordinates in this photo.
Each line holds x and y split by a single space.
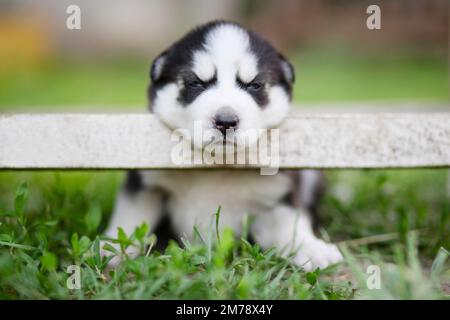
226 77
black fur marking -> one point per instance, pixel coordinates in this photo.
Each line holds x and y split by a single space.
133 182
193 87
256 88
270 64
165 232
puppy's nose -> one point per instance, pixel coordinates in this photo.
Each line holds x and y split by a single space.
226 119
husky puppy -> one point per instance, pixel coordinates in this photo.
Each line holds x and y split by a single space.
229 78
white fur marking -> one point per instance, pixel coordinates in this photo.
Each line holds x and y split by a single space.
290 230
158 66
203 66
131 211
247 68
308 182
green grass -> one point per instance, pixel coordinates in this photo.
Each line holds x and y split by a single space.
398 220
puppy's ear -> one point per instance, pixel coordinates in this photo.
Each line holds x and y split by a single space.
158 66
287 69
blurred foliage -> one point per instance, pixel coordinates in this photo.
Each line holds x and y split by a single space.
322 75
330 75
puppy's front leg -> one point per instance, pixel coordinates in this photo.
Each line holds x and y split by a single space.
131 210
289 229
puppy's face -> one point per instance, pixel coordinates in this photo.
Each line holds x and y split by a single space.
222 77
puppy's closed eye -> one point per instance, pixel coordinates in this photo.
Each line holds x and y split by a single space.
253 86
192 81
196 84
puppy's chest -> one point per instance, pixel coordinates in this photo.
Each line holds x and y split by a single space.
237 191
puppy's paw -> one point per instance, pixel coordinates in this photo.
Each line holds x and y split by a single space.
317 253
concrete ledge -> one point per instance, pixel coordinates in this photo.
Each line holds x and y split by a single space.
122 141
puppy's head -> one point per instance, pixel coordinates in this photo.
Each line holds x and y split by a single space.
224 77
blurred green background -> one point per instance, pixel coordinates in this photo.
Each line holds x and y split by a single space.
321 77
105 65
